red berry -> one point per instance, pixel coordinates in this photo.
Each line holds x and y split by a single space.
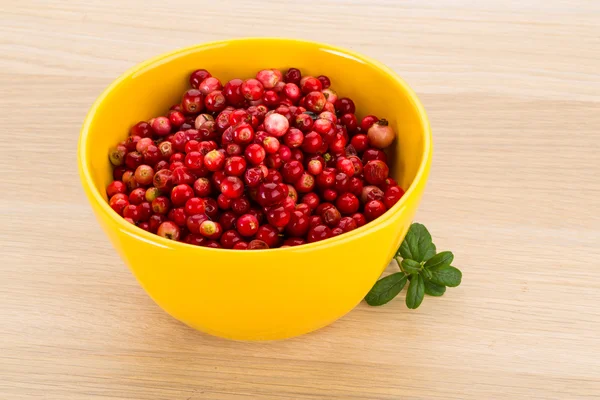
270 98
310 84
356 186
230 238
232 187
137 196
169 230
270 194
331 216
252 89
141 129
317 233
133 160
233 92
293 75
247 225
214 160
304 122
202 187
209 84
176 118
347 224
298 224
375 172
211 230
312 142
276 124
278 216
194 160
233 149
315 101
257 245
325 82
345 165
241 245
195 239
255 153
305 184
373 154
374 209
194 206
315 220
292 92
235 166
180 194
118 202
294 138
211 209
367 122
193 222
271 144
198 76
293 242
329 195
269 77
192 101
392 195
360 219
114 188
345 105
215 101
163 180
347 203
315 167
268 234
342 182
253 177
161 126
292 171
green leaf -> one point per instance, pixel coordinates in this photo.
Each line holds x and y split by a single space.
386 289
411 266
417 244
446 275
426 274
416 292
442 259
433 289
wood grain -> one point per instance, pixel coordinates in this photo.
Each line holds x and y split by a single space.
512 89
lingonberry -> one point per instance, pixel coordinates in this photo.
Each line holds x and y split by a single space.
224 202
180 194
118 172
338 145
347 224
252 89
114 188
198 76
374 209
137 196
257 245
269 77
145 211
294 138
215 101
235 166
194 239
360 219
210 84
241 245
270 98
211 230
293 242
389 182
292 92
315 220
192 101
217 178
371 192
247 225
268 234
194 160
166 149
169 230
373 154
329 195
270 194
285 153
344 105
133 160
212 244
273 176
322 126
161 126
318 233
227 220
347 203
255 153
202 119
118 202
291 171
311 199
274 161
214 160
151 155
182 175
211 209
194 205
143 144
304 122
230 238
293 75
162 164
375 172
176 118
253 177
349 121
314 167
392 195
145 226
233 149
326 179
292 193
304 208
331 216
312 142
161 205
132 211
129 180
305 184
233 92
240 206
163 180
276 124
310 84
298 224
232 187
342 182
278 216
315 101
176 164
155 221
141 129
345 165
271 144
356 186
325 82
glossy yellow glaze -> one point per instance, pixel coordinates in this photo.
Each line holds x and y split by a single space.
270 294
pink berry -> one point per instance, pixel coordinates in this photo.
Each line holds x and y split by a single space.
269 77
161 126
210 84
276 124
252 89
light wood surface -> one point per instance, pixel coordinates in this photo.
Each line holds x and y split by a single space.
512 89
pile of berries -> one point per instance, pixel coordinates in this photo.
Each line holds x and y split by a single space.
273 161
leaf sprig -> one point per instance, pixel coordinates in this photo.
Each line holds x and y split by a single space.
427 271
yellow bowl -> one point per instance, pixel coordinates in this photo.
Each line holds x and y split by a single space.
269 294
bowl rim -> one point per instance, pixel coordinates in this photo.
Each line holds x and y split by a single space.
94 195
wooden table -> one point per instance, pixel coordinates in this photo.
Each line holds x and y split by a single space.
512 89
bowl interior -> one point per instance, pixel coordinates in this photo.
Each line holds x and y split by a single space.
152 87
